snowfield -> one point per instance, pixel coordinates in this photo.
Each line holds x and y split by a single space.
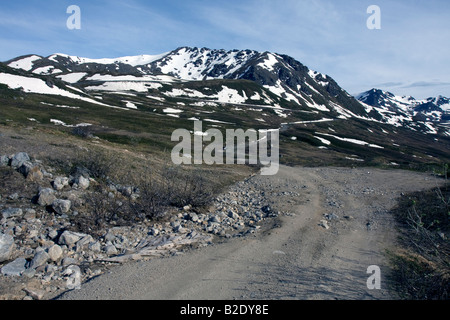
354 141
72 77
131 60
35 85
25 63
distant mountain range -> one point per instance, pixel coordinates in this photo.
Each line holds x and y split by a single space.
406 110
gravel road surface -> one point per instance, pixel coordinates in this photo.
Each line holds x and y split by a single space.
331 230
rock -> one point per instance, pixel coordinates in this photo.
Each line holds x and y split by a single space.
36 294
324 224
61 206
187 208
193 217
60 182
110 250
84 242
69 238
67 261
12 212
233 215
30 214
46 197
4 161
39 259
110 236
179 229
52 234
32 234
6 247
18 159
154 231
25 168
13 196
266 209
95 246
55 252
15 268
80 171
127 191
215 219
29 273
82 182
331 216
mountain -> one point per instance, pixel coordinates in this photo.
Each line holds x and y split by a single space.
432 113
223 88
280 74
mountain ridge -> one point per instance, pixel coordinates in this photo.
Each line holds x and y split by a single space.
281 74
118 100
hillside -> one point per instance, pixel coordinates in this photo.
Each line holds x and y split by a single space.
141 100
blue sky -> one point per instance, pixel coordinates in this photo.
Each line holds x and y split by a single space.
408 55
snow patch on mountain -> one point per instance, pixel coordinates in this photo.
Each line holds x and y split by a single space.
134 61
25 63
72 77
35 85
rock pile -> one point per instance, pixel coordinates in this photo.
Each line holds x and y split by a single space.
38 241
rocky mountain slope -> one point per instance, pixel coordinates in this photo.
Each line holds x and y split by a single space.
430 113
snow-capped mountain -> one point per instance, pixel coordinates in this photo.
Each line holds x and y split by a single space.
280 74
149 96
406 110
282 83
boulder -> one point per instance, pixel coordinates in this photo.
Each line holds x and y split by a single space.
84 242
55 252
15 268
4 161
233 215
29 214
25 168
80 171
67 261
193 217
61 206
324 224
18 159
82 182
60 182
12 212
110 250
95 246
69 238
36 294
46 197
6 247
39 259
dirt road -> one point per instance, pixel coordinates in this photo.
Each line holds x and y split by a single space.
291 257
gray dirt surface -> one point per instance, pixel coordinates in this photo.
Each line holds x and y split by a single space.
292 256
